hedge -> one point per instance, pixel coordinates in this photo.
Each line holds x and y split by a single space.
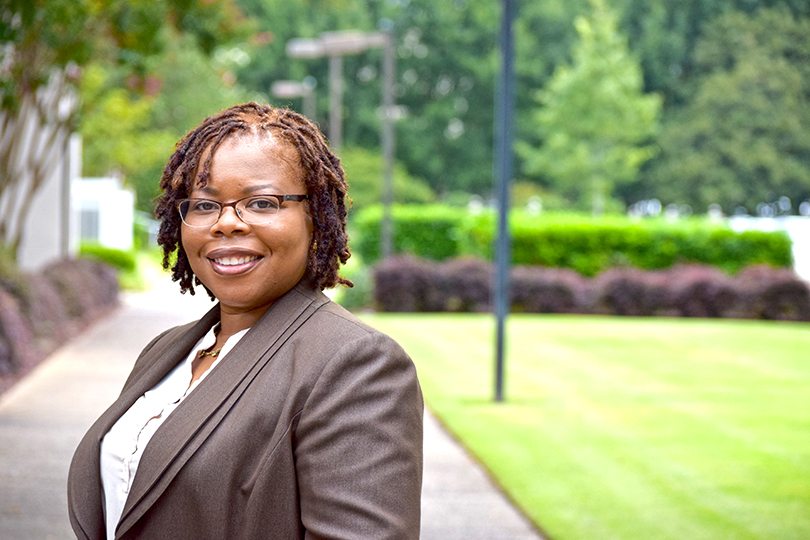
405 283
587 245
427 231
120 259
40 311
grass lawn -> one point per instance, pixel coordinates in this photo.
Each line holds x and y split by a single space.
626 428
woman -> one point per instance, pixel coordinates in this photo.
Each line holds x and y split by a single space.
278 414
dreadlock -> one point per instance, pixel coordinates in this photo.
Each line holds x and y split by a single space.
324 179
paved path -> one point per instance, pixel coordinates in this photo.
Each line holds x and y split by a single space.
44 416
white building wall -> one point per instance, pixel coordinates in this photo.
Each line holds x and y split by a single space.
50 221
106 211
797 227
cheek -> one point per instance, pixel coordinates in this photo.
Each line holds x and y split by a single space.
187 242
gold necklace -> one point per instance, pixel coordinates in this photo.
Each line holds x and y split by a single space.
213 353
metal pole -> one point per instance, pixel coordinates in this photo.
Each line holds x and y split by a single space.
335 101
67 178
388 146
308 84
504 110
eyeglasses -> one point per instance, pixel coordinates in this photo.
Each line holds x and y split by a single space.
255 210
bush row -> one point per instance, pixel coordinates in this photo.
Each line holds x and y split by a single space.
405 283
117 258
40 311
588 245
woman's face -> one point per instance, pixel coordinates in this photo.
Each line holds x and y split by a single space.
249 266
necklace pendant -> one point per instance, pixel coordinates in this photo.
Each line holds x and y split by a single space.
213 353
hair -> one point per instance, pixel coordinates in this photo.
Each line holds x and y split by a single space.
323 177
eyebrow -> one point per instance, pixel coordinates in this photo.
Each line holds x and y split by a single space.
249 190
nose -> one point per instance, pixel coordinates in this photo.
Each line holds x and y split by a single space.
229 222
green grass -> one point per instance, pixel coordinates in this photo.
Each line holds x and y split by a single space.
623 428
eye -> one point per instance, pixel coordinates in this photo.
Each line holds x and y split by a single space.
261 204
204 206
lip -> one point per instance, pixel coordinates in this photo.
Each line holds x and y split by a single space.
233 261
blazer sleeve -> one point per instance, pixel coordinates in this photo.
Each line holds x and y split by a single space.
359 445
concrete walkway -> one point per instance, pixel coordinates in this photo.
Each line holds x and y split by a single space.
44 416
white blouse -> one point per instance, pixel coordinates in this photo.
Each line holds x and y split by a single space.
123 446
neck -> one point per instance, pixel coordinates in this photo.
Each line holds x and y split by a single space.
234 321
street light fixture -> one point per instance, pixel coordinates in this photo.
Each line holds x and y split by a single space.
298 89
335 45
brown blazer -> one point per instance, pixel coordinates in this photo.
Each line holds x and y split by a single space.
311 427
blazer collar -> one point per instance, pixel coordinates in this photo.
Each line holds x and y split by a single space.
159 357
187 428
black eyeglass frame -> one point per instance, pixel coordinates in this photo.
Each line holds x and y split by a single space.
222 206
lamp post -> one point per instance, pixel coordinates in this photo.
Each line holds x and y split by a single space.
504 134
336 45
294 89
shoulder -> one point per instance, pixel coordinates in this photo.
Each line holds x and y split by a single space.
340 330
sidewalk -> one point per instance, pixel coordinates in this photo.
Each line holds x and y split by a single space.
45 415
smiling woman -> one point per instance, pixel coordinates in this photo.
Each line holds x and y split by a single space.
278 414
247 265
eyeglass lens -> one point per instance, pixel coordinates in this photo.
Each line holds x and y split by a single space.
203 212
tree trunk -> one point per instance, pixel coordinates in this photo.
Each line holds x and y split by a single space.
31 142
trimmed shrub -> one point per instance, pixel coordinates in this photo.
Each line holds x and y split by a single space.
704 291
584 244
428 231
16 338
114 257
630 291
536 289
401 284
404 283
45 309
774 294
39 311
85 286
461 285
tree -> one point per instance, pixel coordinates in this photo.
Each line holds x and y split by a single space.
445 79
364 170
182 87
744 136
595 121
665 34
44 46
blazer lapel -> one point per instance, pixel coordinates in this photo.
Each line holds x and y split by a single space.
186 429
155 362
161 358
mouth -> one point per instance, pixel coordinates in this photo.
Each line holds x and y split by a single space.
234 261
233 264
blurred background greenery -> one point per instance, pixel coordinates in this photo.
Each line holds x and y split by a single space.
618 101
666 109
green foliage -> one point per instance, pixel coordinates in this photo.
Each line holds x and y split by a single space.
55 34
591 246
427 231
148 124
445 80
361 295
585 244
364 172
114 257
125 145
665 35
595 121
744 136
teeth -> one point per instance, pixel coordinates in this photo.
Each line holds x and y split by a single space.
234 261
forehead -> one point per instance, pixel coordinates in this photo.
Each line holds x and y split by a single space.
271 151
